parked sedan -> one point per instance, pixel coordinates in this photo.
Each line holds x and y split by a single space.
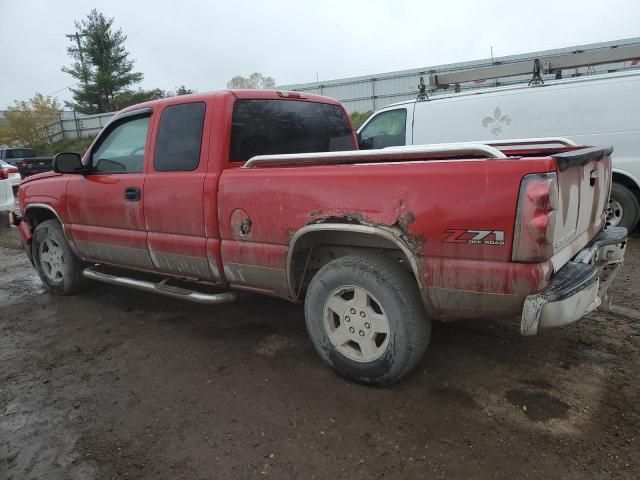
13 174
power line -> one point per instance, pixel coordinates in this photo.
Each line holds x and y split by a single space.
62 89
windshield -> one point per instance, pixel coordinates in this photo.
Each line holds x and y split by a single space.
263 127
21 153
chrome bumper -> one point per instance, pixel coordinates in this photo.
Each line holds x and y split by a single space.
579 287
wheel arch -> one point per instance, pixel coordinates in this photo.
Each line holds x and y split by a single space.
345 239
628 180
37 213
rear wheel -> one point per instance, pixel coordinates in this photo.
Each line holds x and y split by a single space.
58 267
366 319
623 209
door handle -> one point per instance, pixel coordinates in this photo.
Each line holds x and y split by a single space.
132 194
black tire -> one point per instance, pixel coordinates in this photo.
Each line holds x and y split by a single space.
630 207
398 296
67 264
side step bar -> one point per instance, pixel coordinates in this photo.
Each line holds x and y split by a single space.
161 288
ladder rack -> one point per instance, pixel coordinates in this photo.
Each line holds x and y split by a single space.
544 65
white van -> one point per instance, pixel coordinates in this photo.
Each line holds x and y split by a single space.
590 110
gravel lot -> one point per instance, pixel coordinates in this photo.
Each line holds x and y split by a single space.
119 384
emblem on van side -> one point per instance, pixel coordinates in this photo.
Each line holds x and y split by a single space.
496 122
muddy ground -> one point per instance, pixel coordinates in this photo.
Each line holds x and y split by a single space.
119 384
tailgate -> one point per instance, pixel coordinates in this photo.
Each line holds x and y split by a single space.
584 183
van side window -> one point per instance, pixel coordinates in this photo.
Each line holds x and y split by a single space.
179 138
387 129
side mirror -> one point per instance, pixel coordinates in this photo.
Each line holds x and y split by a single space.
366 144
67 163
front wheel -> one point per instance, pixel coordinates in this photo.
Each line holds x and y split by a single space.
58 267
366 319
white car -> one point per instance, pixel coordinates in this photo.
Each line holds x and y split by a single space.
14 174
590 110
7 201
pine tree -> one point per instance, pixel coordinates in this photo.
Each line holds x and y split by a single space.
101 65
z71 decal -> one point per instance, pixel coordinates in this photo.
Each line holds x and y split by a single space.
475 237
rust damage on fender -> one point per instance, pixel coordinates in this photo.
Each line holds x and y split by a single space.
400 228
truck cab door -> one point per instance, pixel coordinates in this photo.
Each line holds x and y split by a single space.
180 197
105 205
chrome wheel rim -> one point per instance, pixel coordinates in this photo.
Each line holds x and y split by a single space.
52 260
356 324
614 213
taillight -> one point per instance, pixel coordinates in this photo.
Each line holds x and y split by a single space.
536 218
3 174
12 170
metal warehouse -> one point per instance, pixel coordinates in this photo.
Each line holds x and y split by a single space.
371 92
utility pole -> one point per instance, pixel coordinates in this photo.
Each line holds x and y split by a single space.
77 36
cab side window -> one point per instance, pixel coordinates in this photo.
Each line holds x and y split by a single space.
387 129
179 138
122 150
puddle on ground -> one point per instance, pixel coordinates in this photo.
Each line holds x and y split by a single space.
538 405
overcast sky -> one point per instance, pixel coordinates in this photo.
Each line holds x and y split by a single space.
202 44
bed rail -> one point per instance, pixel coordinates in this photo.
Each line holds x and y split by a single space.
393 154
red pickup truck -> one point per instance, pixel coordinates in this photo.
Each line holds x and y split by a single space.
198 197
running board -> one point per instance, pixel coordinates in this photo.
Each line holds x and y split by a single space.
161 288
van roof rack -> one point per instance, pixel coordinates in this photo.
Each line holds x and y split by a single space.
552 64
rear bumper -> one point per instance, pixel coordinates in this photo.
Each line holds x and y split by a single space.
579 287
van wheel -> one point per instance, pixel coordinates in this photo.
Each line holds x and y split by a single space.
366 319
59 269
623 209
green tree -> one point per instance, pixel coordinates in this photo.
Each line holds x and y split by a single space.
255 80
131 97
358 119
32 122
101 65
182 90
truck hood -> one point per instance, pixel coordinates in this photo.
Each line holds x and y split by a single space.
39 176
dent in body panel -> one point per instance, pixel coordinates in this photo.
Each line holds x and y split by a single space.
450 288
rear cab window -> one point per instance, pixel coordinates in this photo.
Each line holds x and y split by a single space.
266 127
386 129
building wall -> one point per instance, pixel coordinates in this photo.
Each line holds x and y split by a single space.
77 125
